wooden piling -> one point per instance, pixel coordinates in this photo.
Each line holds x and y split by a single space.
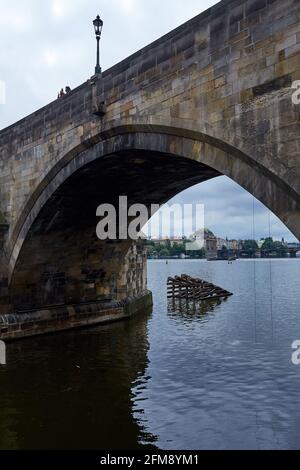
195 289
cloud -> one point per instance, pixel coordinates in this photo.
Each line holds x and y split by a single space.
50 57
129 6
58 8
15 21
231 211
58 34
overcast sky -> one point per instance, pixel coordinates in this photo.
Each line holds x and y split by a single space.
45 45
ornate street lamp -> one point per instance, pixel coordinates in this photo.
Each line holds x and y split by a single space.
98 25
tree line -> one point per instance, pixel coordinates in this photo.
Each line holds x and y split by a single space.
248 248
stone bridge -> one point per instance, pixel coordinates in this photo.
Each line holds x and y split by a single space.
213 97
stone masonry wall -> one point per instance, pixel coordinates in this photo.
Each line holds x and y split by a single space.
225 75
86 271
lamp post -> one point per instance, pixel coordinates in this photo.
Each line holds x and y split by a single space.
98 25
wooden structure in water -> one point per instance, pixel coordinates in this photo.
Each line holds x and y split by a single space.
188 288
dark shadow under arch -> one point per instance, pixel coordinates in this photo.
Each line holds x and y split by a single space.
201 157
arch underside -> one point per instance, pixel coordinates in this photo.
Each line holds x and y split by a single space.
55 256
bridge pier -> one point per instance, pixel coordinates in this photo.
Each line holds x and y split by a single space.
5 306
57 289
66 317
63 270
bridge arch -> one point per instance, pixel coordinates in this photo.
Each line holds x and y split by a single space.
155 163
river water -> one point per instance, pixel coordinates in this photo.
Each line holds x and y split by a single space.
218 377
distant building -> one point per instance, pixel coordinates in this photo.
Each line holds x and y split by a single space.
204 239
164 241
294 245
211 247
220 243
176 241
196 241
233 245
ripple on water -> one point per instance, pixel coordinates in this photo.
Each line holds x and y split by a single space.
219 377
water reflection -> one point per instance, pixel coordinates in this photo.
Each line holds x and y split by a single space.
188 310
218 376
221 379
74 390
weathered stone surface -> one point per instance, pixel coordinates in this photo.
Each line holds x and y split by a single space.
63 318
212 97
